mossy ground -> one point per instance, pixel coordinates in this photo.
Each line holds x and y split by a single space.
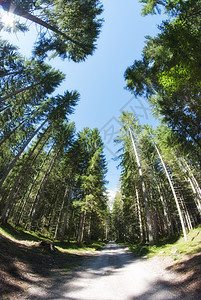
24 262
175 248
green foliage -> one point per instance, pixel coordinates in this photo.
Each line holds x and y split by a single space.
48 176
130 214
118 218
168 73
68 28
175 248
19 234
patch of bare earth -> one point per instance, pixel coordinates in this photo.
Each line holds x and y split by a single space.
27 265
188 272
24 266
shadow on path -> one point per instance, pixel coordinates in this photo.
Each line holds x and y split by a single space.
104 276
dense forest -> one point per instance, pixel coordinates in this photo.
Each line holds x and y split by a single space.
53 178
160 182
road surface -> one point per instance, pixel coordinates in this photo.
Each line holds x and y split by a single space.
113 274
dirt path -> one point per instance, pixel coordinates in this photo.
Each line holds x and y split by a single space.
112 274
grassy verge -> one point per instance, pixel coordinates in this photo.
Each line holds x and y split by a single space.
19 235
26 260
74 248
177 249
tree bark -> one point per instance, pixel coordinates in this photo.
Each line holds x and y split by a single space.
31 187
139 214
18 92
19 153
19 125
174 194
166 212
10 6
17 182
59 219
81 227
149 227
41 188
66 213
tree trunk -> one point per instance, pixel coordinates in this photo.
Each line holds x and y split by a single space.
13 131
19 153
186 213
53 215
59 218
89 228
149 227
18 92
66 213
81 227
174 194
5 108
70 225
19 125
31 187
9 73
166 212
24 14
194 185
7 209
139 215
196 195
41 188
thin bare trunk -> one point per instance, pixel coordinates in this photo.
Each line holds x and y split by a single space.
186 214
196 195
8 206
166 213
15 160
193 183
149 227
139 215
31 187
66 212
41 188
71 225
3 109
81 227
174 194
60 213
59 220
89 228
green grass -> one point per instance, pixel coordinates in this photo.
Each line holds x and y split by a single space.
74 248
174 248
20 234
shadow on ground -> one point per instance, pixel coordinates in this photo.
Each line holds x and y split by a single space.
105 264
190 270
22 266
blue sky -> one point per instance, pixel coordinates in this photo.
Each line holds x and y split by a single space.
100 80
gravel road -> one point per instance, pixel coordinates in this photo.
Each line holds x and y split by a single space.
111 274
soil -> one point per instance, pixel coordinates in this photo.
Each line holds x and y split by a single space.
25 266
189 279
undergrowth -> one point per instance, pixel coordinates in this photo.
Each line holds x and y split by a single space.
176 248
20 234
